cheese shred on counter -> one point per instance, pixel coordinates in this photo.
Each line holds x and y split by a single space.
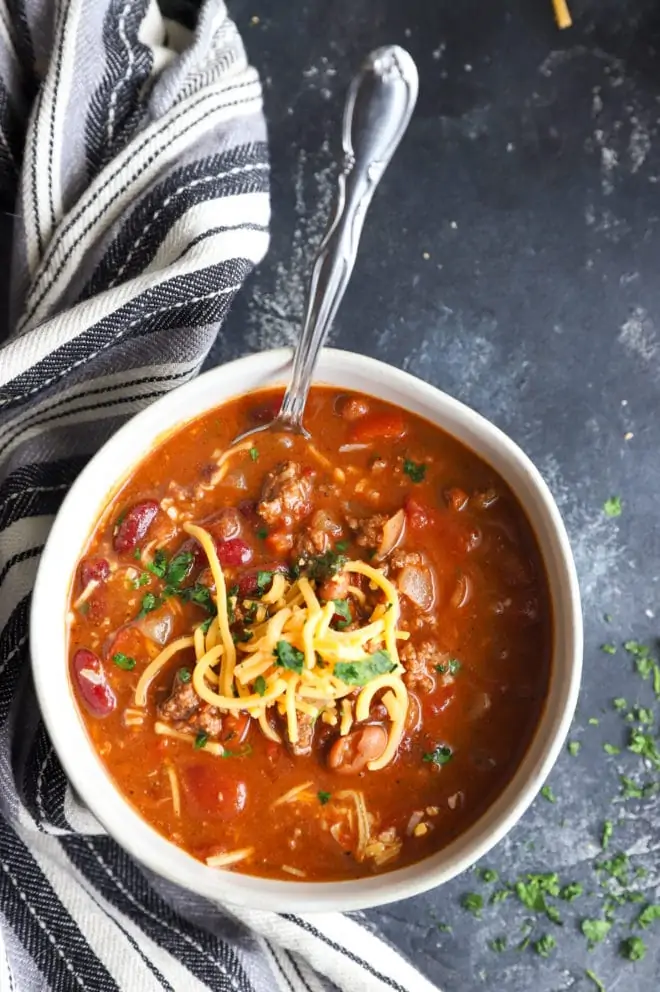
295 662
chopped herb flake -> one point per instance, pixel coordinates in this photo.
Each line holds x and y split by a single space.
548 794
289 657
497 944
123 661
414 471
254 453
593 721
647 916
343 615
137 554
184 675
645 746
608 648
499 896
473 902
544 945
611 749
262 533
260 685
149 603
633 948
594 978
595 930
324 797
612 507
341 546
322 567
620 703
439 756
571 891
264 581
159 565
489 875
178 568
141 580
574 748
201 739
608 830
361 672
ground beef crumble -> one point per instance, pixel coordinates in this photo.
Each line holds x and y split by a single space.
368 531
420 661
186 712
286 495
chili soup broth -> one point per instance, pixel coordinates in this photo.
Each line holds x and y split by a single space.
311 660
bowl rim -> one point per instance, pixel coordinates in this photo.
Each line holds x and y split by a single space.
83 768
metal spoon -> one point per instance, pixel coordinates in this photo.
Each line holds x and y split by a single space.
379 105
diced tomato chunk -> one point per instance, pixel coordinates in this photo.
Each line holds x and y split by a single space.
233 552
97 695
376 426
93 570
418 514
134 525
213 791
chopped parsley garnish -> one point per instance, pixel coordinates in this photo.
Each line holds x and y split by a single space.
361 672
608 648
184 675
647 916
473 902
204 627
544 945
593 721
289 657
645 746
141 580
630 789
323 797
633 948
452 666
254 453
532 893
489 875
606 836
264 580
322 567
574 748
262 533
124 661
619 703
201 739
439 756
571 891
499 896
137 554
612 507
596 980
595 930
178 568
341 546
414 471
548 794
260 685
611 749
159 565
343 615
497 944
149 603
199 594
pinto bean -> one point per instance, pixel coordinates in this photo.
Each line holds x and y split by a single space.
351 754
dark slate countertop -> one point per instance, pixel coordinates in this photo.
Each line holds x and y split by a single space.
510 257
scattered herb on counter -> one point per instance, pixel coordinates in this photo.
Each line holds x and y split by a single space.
444 928
611 749
124 661
633 948
499 896
593 721
595 930
498 944
289 657
548 794
489 875
260 685
620 703
606 835
201 739
645 746
571 891
648 915
323 797
414 471
573 748
613 506
439 756
544 945
594 978
473 903
608 648
361 672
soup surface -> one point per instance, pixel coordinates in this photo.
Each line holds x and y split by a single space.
312 660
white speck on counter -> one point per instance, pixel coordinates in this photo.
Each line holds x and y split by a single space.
438 52
638 335
639 144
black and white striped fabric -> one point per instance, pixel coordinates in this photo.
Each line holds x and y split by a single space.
134 179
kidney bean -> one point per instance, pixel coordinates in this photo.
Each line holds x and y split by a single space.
94 570
213 791
233 552
90 676
134 526
225 525
351 754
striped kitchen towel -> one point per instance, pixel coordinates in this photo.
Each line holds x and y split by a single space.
134 185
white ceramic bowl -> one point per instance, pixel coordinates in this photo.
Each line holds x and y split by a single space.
75 522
